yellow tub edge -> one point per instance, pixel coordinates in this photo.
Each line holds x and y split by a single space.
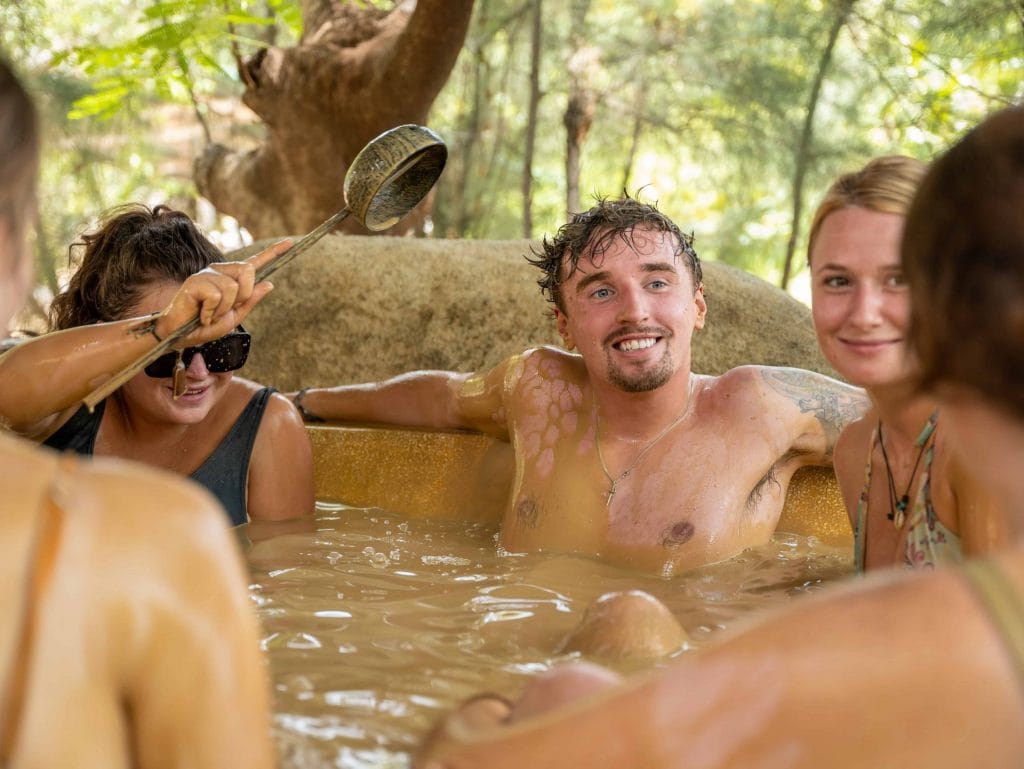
465 476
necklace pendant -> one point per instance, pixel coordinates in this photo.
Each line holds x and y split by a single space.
611 493
899 513
180 385
899 517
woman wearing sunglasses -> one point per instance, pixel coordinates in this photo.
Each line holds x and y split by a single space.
143 274
126 640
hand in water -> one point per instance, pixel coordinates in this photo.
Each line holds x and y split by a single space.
222 295
485 714
477 714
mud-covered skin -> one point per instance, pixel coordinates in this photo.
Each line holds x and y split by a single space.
691 469
712 487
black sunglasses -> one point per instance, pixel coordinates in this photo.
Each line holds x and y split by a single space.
228 353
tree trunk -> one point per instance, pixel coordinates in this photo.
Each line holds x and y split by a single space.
531 120
634 137
469 130
803 153
579 112
45 258
356 72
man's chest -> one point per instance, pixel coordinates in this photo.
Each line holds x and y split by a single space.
694 499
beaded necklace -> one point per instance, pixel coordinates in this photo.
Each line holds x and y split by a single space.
625 473
898 504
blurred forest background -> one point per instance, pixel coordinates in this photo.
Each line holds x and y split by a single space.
733 114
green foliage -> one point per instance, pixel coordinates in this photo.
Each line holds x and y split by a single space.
720 91
110 93
698 103
156 61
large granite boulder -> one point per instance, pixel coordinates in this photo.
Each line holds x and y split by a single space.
360 308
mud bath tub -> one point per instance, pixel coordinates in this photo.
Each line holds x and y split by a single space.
399 603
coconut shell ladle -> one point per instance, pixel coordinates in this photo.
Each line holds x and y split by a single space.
387 179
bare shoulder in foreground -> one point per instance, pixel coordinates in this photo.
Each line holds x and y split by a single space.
701 711
144 637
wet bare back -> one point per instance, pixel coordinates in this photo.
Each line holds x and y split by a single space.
144 650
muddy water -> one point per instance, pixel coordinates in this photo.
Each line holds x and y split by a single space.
376 623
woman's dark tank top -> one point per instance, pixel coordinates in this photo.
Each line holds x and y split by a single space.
225 472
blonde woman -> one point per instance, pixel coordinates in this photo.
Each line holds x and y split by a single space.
909 500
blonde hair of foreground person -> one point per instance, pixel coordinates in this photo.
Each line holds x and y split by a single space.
899 670
128 638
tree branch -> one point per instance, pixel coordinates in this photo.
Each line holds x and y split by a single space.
843 9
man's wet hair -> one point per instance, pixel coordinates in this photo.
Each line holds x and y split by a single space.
591 233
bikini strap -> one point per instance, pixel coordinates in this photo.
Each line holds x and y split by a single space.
39 570
1005 607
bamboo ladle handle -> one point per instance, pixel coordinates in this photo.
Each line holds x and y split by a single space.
387 179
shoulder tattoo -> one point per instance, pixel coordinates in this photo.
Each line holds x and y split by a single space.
833 403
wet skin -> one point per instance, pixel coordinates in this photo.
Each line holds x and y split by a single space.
896 669
710 487
142 421
178 433
131 612
155 396
700 463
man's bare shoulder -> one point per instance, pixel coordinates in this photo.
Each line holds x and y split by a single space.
550 352
755 385
542 375
819 405
807 389
786 381
742 379
551 363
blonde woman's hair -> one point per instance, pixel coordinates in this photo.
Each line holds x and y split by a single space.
886 184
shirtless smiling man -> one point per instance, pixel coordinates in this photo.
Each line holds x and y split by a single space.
621 451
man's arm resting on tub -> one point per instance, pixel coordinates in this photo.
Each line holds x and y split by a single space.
434 399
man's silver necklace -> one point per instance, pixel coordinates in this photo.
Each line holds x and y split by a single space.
625 473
